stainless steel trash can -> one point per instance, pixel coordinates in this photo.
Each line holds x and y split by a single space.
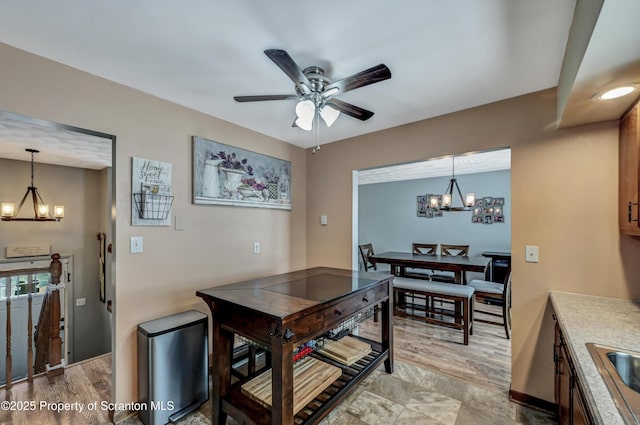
173 365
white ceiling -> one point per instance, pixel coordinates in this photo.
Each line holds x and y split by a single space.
474 162
444 56
57 145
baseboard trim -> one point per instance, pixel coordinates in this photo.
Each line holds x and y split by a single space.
120 416
533 402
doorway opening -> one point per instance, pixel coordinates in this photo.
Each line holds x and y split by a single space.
75 166
387 212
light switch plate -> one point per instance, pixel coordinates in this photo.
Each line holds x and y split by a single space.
323 220
531 254
136 244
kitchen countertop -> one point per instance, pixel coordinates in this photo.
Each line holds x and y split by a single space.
607 321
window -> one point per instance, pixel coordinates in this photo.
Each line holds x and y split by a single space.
21 282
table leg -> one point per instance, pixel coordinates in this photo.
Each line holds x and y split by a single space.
281 382
457 279
221 370
387 330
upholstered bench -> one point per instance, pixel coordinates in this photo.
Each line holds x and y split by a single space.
406 289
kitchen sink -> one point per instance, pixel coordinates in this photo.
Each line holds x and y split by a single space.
620 370
628 367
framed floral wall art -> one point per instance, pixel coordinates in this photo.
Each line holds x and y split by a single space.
227 175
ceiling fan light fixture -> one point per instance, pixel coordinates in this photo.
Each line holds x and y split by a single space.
313 89
305 110
304 124
329 115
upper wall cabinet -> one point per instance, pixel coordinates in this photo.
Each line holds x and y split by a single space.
629 169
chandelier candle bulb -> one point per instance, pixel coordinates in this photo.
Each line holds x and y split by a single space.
43 211
8 209
58 211
446 200
470 199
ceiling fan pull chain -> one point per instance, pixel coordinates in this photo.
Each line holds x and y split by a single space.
316 133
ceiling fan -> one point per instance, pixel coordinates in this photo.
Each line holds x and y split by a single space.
316 93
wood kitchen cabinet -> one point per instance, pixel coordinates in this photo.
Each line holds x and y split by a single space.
629 172
569 396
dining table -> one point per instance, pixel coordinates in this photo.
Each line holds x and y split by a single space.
399 261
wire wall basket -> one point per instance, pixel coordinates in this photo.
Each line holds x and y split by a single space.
153 206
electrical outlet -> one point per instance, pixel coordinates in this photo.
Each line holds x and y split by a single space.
80 302
256 247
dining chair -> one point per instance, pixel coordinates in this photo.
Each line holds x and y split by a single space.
449 249
497 291
366 250
425 249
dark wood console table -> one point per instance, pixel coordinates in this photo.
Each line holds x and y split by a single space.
282 312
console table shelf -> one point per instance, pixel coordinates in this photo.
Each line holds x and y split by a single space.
254 412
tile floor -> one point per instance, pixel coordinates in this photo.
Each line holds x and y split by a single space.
413 396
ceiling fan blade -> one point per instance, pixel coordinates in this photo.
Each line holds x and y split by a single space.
289 67
368 76
349 109
260 98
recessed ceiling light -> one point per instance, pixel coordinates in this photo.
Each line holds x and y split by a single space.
617 92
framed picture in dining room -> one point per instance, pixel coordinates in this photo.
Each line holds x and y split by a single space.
227 175
488 210
422 206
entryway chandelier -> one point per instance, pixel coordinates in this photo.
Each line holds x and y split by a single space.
41 211
445 201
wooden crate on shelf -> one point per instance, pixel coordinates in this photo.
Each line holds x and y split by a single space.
310 378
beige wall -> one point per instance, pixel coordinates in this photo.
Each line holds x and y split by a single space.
216 246
564 199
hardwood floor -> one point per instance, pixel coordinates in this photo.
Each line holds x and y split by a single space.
421 349
68 399
485 362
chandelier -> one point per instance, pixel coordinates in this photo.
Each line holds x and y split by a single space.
41 211
445 202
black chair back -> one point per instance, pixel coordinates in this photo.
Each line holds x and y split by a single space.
366 250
